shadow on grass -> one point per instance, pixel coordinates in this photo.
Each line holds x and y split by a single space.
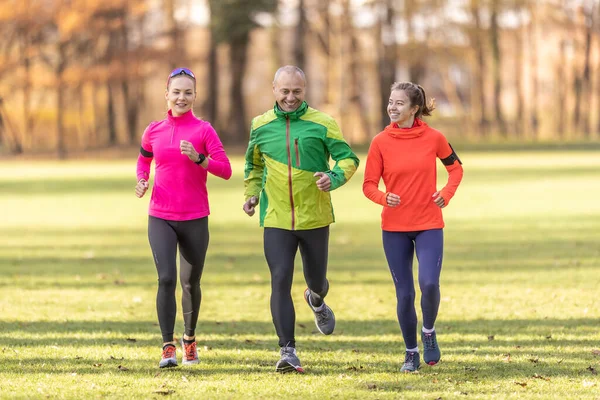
241 334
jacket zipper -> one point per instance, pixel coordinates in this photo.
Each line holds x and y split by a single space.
172 131
289 154
297 153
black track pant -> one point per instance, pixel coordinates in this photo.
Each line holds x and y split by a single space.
192 238
281 246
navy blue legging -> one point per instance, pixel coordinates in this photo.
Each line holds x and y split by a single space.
399 250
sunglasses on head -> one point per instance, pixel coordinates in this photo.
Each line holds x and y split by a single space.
181 71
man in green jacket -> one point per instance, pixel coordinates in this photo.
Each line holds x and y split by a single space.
287 171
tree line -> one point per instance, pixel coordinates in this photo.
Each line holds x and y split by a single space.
84 74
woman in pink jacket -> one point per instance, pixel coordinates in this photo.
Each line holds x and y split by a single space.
185 149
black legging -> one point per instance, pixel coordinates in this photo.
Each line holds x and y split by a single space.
192 237
281 246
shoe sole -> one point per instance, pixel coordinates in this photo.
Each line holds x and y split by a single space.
288 368
306 294
169 364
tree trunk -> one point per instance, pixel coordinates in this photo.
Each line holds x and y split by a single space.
210 102
28 138
497 68
237 113
585 79
533 50
521 106
479 68
561 93
172 33
130 83
111 117
60 101
301 28
387 59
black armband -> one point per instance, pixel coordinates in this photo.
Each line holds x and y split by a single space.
146 153
451 158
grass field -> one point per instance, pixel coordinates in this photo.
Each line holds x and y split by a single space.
519 318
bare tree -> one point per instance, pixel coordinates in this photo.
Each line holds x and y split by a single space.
497 67
387 55
533 50
301 31
478 68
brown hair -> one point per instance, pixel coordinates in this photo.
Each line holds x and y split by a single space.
416 95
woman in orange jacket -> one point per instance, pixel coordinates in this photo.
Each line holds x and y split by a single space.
405 156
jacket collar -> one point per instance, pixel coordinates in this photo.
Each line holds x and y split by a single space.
182 119
419 127
296 114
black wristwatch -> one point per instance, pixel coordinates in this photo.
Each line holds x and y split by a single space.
201 158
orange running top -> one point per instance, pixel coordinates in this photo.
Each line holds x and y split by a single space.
406 160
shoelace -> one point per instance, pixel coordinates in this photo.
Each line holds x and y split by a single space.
190 351
428 341
322 316
169 352
410 359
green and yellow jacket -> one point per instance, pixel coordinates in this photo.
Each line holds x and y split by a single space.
284 152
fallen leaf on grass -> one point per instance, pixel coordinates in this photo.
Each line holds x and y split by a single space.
534 359
522 384
156 375
491 337
249 341
114 358
587 384
537 376
207 348
371 386
559 361
549 337
131 340
164 392
97 365
183 378
506 357
122 368
302 326
592 370
596 352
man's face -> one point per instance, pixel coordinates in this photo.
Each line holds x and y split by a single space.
289 91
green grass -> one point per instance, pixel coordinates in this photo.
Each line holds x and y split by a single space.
519 315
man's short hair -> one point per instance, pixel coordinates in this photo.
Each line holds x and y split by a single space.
289 69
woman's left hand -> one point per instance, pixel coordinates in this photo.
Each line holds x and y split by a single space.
438 200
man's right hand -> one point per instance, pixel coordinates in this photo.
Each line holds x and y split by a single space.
141 187
249 206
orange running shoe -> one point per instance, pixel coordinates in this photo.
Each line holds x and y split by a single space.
190 353
169 356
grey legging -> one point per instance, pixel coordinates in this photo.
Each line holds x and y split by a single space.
192 237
